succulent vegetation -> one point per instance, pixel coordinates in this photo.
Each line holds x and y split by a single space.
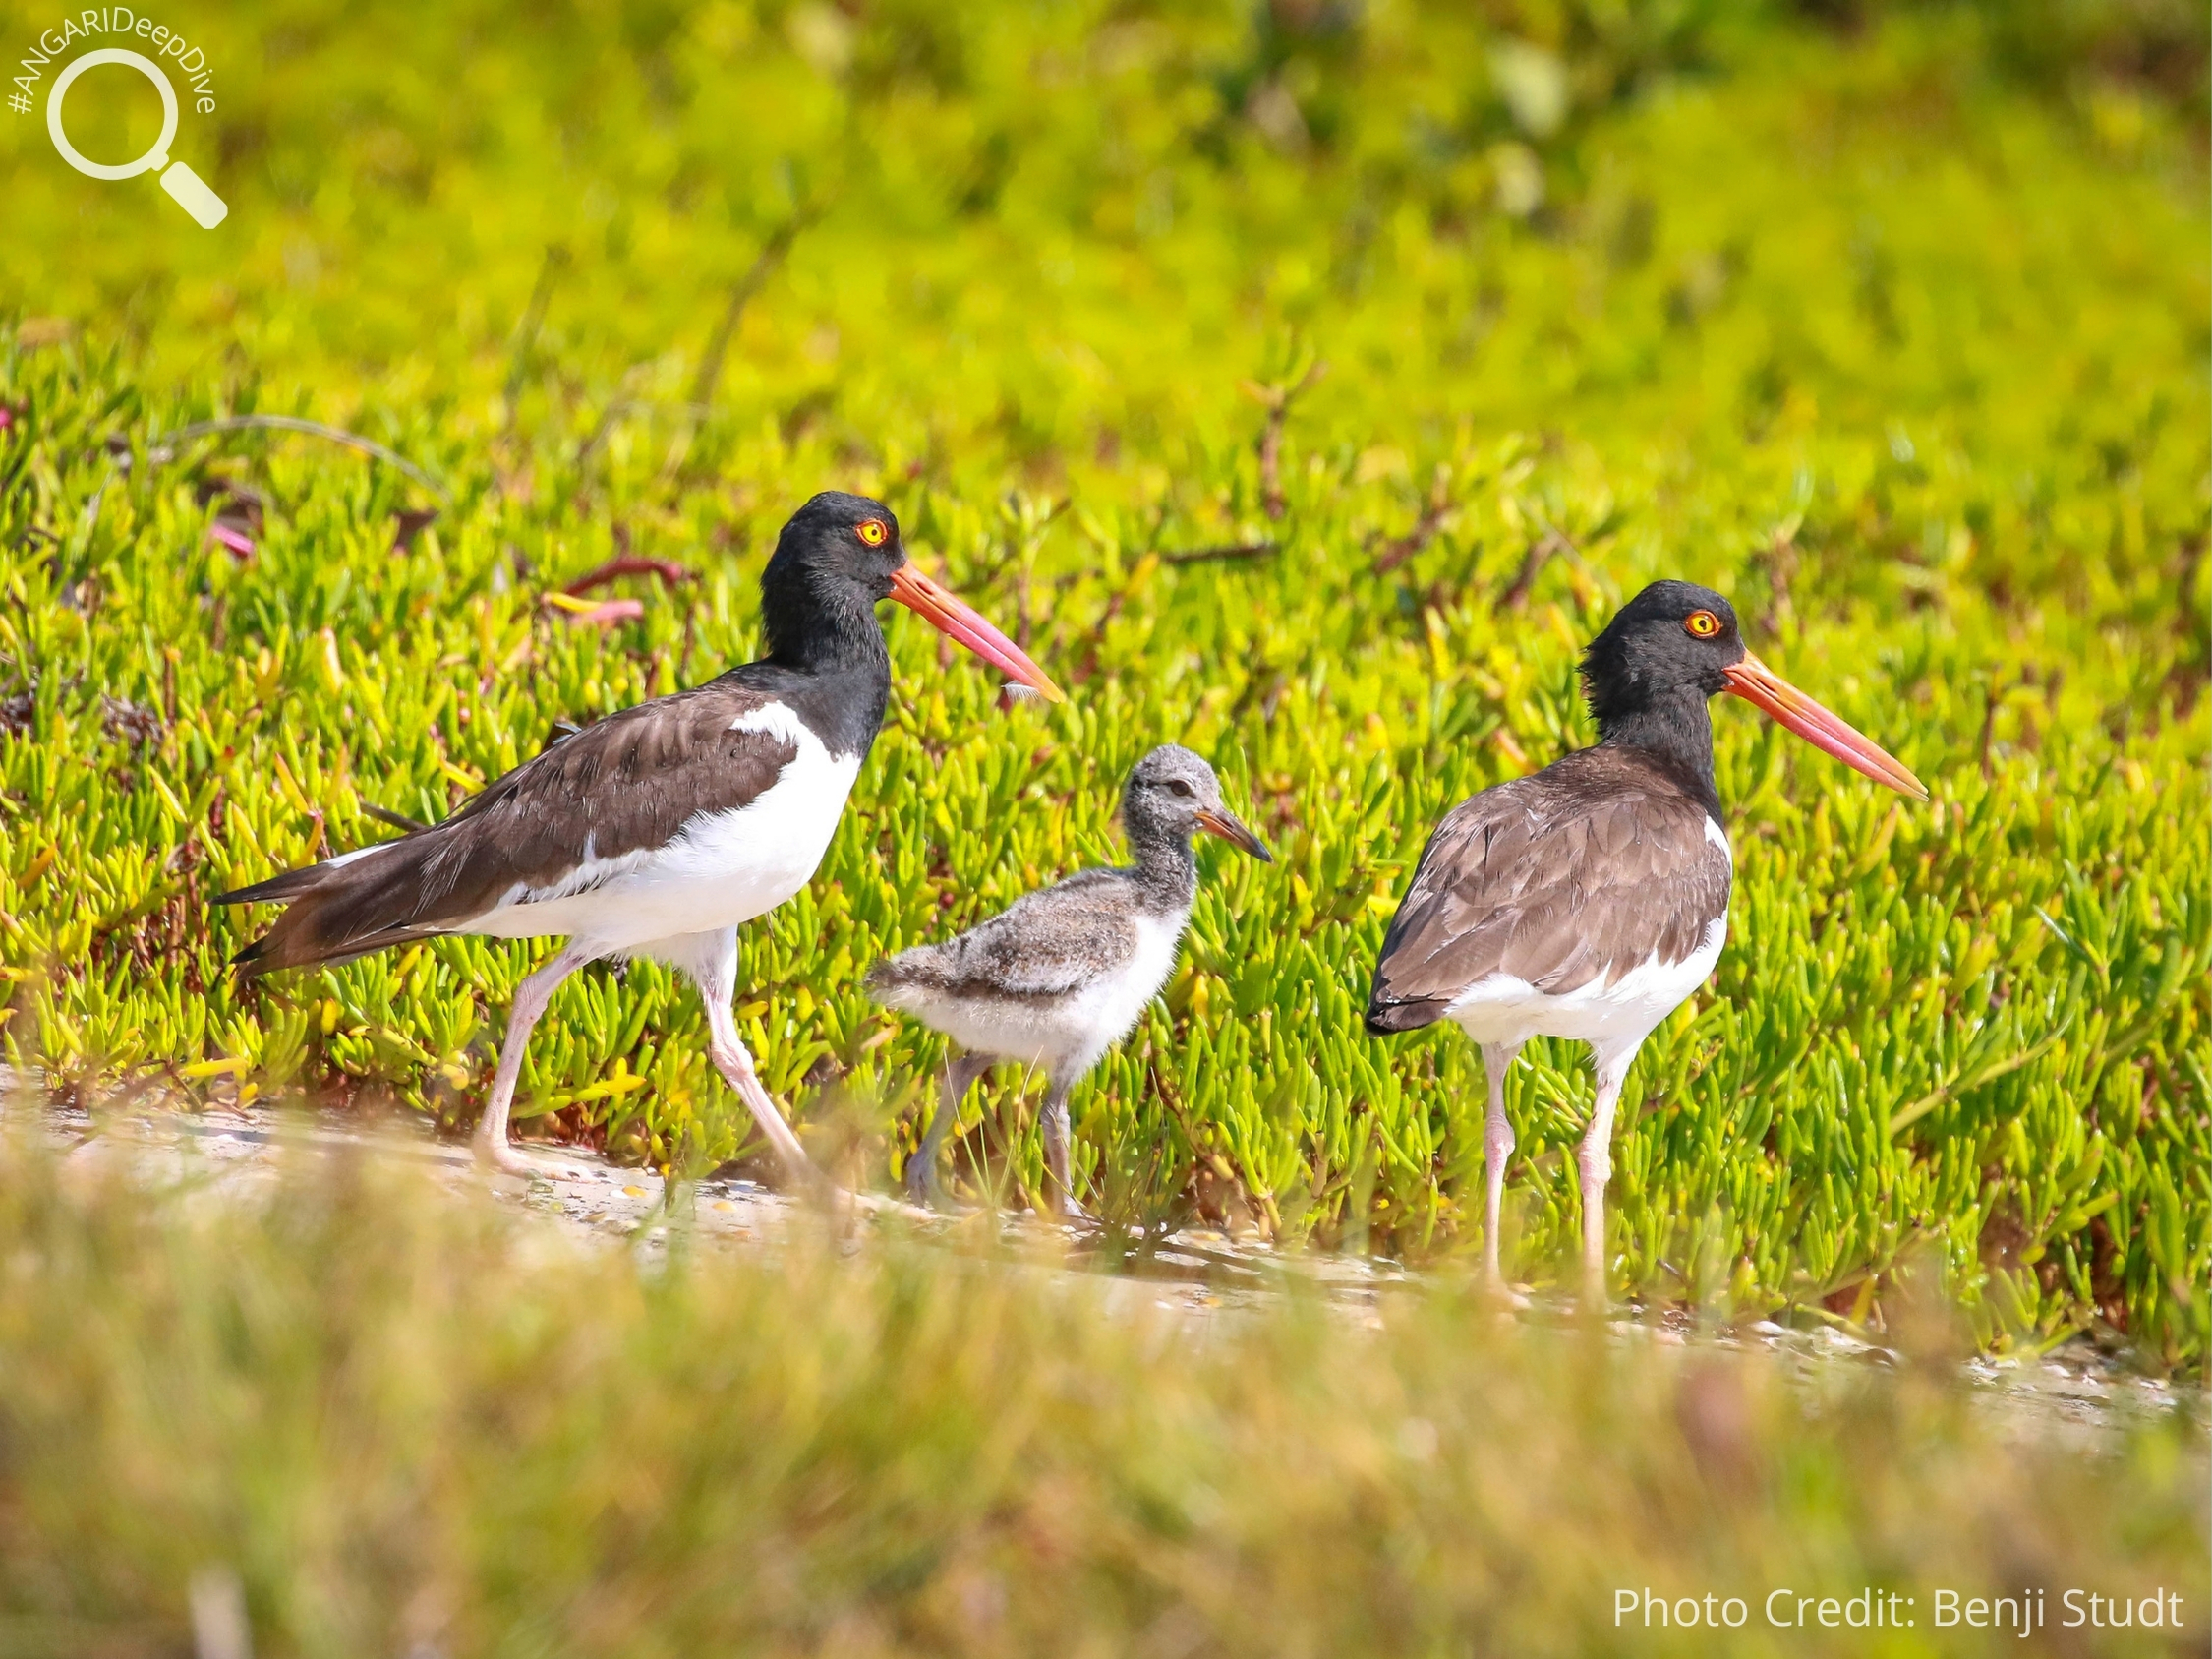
1301 384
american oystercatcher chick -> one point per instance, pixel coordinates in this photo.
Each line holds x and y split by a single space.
1061 976
1589 899
659 830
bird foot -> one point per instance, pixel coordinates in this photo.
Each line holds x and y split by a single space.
1511 1296
805 1180
923 1188
883 1205
511 1160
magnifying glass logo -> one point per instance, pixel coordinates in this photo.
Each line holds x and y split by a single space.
185 187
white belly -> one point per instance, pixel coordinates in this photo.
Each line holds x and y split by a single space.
722 869
1612 1014
1067 1034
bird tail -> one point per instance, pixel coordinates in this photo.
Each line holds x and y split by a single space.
278 889
338 909
1389 1015
901 980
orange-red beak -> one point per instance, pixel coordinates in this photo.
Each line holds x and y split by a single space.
963 623
1762 688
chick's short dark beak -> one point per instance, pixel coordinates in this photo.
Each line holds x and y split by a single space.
1219 820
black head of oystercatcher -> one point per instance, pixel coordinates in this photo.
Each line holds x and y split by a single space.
658 830
1063 975
1589 899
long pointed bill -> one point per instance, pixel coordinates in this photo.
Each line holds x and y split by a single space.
963 623
1763 689
1219 821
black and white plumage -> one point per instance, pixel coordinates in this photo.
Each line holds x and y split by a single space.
659 830
1589 899
1063 975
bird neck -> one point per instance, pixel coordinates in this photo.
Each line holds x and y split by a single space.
1675 729
821 625
825 658
1166 870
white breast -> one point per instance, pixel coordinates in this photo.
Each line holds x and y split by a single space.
723 868
1109 1007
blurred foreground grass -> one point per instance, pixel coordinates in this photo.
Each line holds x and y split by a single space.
1893 327
410 1424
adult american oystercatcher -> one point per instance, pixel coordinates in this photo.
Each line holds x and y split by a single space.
657 831
1062 975
1589 899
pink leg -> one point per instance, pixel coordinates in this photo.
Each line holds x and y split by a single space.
713 968
1594 1164
1497 1147
531 999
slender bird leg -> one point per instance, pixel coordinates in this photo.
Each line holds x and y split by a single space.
713 967
711 960
1497 1147
736 1064
1055 1125
922 1184
531 999
1596 1164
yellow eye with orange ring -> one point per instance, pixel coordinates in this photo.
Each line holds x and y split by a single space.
874 531
1703 624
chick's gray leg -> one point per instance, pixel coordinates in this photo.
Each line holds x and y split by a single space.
923 1184
1056 1130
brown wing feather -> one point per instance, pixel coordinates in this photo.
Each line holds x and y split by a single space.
631 781
1591 865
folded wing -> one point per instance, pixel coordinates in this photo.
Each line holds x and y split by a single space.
1577 874
1042 947
627 783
